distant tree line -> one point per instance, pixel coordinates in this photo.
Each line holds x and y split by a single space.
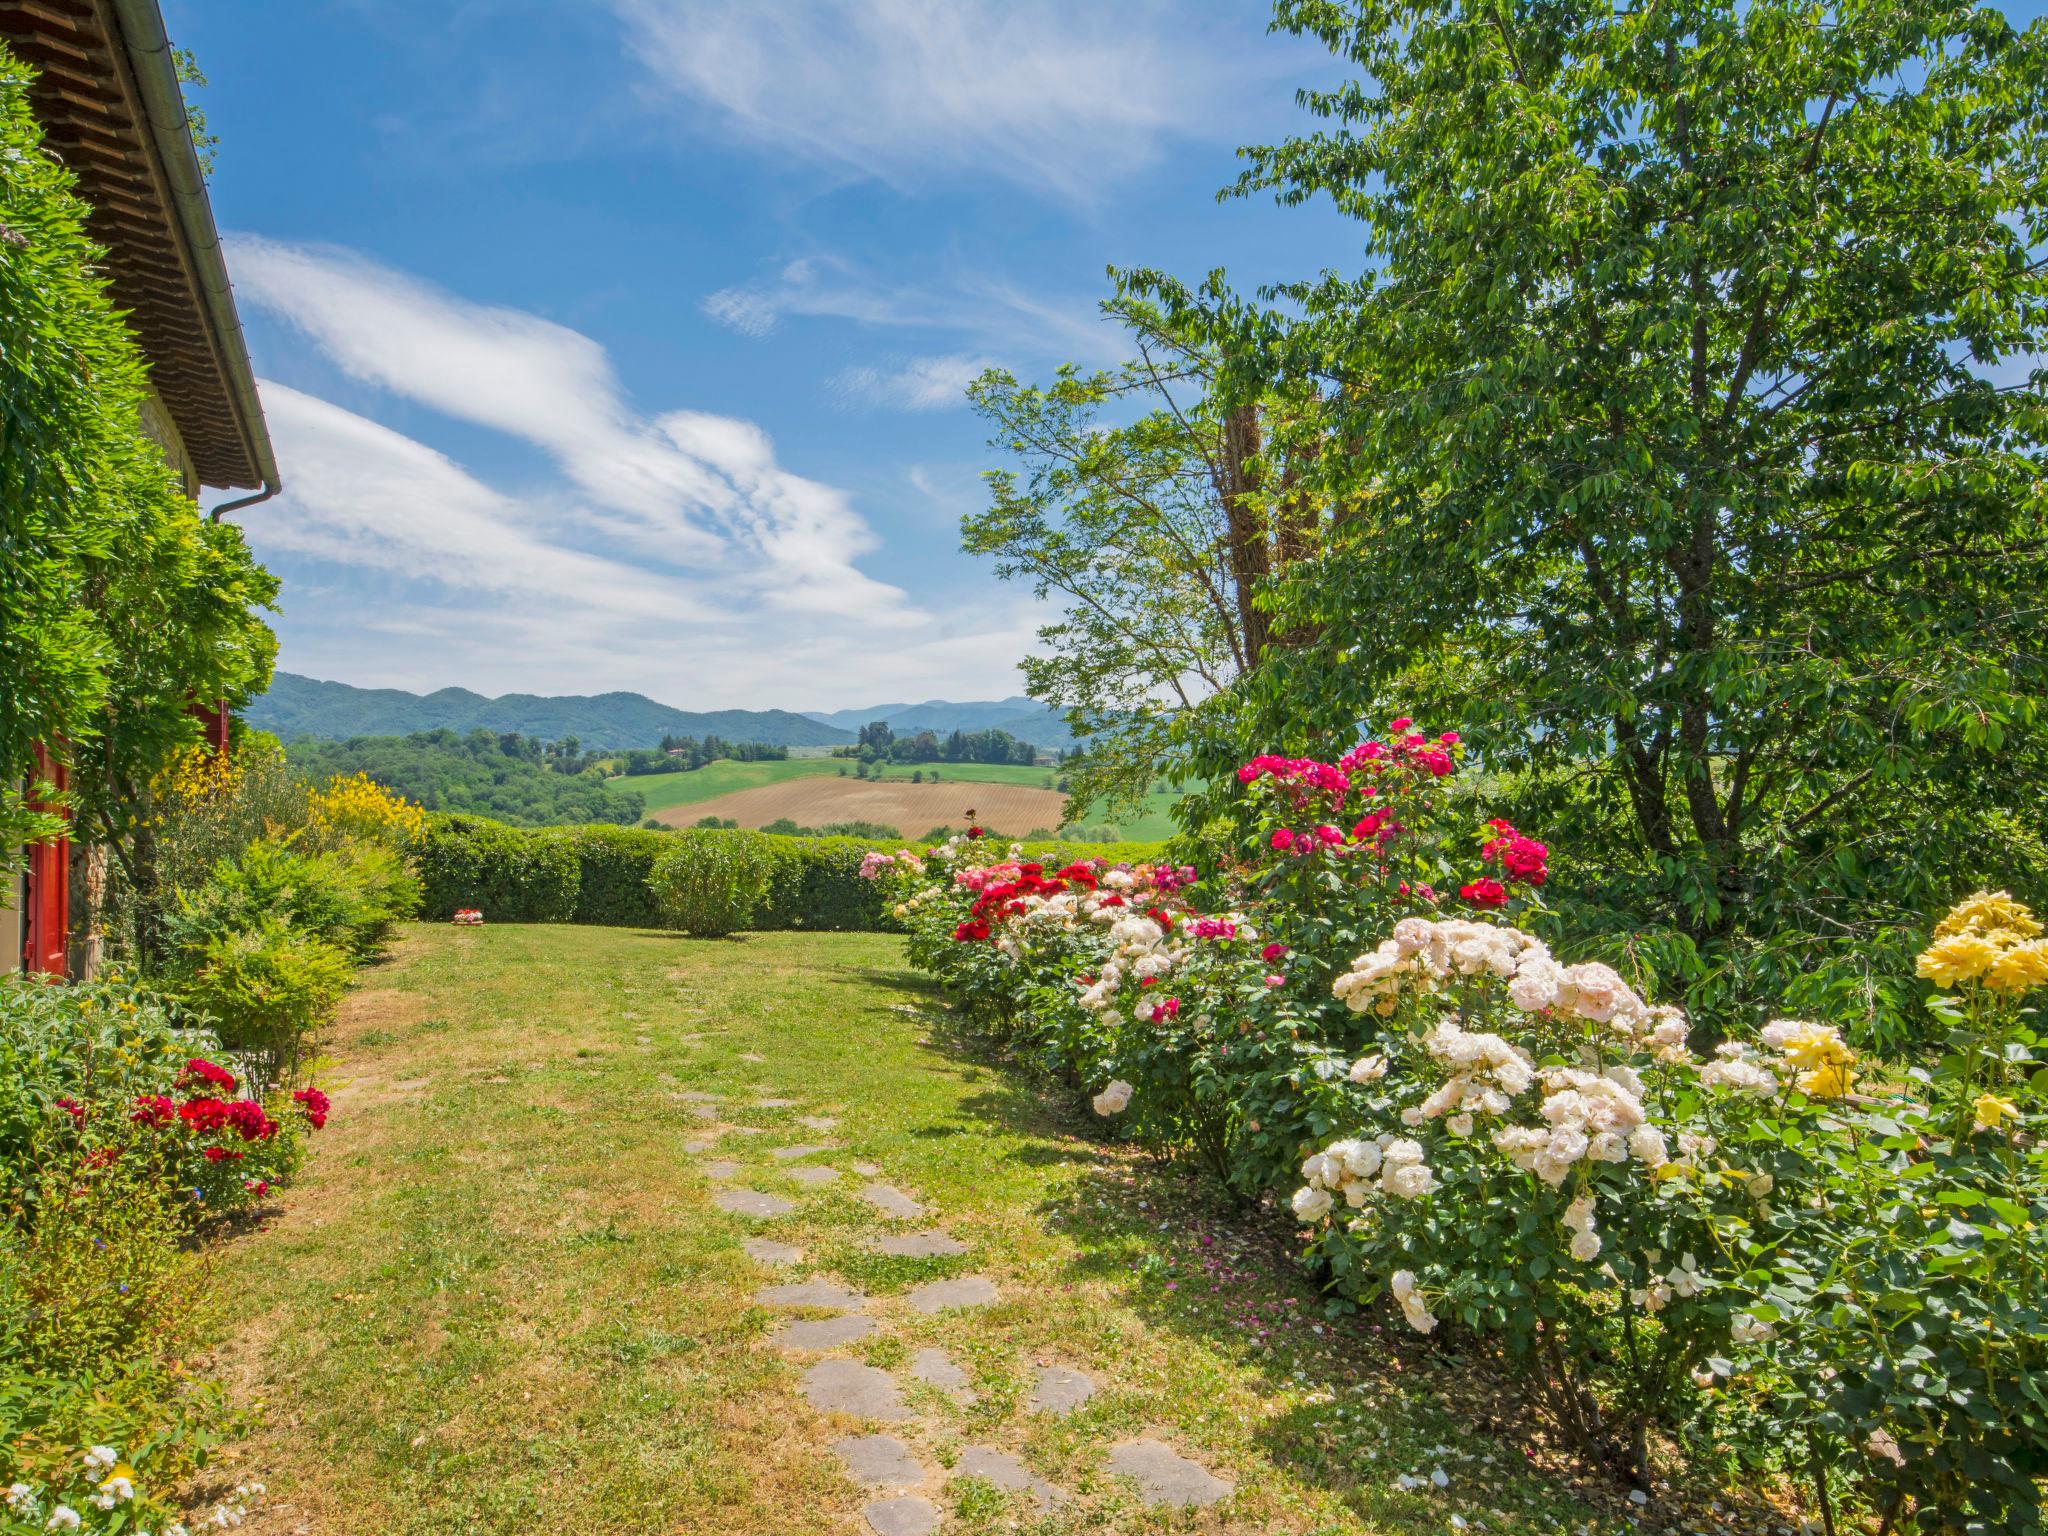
878 743
503 775
681 754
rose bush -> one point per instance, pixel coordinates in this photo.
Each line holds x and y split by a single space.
1769 1249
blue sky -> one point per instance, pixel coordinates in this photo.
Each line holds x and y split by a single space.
619 344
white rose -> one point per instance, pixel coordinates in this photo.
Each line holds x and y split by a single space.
1368 1069
1114 1099
1311 1205
1586 1245
1409 1181
1647 1143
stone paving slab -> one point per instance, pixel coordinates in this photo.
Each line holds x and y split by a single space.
751 1202
1007 1473
695 1097
936 1367
817 1122
775 1103
815 1175
943 1295
791 1154
703 1111
866 1170
891 1201
902 1517
847 1386
878 1461
919 1245
1058 1389
1164 1476
765 1250
810 1293
821 1333
721 1169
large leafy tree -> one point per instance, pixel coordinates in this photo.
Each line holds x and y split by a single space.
1691 435
1154 505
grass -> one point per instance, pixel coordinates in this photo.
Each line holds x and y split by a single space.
664 791
502 1300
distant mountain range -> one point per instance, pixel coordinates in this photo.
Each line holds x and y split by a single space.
305 706
1026 719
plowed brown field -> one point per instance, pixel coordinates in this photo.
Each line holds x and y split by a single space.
912 809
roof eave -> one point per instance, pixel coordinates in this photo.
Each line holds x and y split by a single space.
140 30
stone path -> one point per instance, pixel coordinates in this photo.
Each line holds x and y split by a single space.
904 1482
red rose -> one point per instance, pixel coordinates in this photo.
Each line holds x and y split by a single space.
246 1118
153 1109
1485 893
315 1103
198 1071
203 1114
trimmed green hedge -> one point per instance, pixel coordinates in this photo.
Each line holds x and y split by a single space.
599 874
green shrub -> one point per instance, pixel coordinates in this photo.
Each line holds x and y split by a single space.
711 883
351 897
599 874
510 874
268 990
613 865
98 1044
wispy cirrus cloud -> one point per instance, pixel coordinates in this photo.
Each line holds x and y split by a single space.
1062 96
911 384
991 313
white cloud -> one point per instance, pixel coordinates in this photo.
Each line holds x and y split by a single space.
914 384
404 570
1065 96
675 555
995 315
684 485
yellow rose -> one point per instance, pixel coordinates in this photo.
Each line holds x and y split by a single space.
1957 957
1818 1046
2019 969
1831 1081
1986 912
1992 1112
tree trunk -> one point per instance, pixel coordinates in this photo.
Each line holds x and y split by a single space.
1250 562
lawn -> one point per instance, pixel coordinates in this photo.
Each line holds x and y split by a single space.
504 1300
666 791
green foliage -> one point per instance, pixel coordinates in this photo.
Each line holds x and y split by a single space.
507 777
204 144
268 989
119 603
101 1295
1774 1256
509 874
1684 442
600 874
783 826
710 883
1119 513
99 1044
349 897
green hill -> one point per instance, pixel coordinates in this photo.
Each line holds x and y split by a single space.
303 706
